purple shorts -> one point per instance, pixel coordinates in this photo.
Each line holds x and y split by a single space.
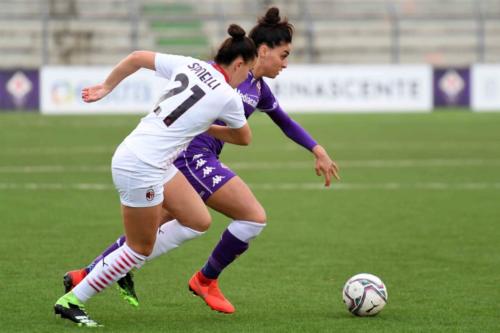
204 171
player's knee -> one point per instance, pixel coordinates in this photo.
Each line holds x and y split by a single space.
144 249
258 215
245 230
202 223
165 216
203 226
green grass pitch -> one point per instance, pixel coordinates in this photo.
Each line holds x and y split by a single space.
418 205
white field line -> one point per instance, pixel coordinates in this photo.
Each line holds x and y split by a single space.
54 168
391 186
405 163
380 186
59 150
288 146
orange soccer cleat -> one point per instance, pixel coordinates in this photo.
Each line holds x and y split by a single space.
208 289
72 278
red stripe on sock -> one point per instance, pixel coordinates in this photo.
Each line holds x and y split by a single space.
130 258
133 255
119 270
123 261
92 285
98 284
103 280
127 267
119 273
121 265
116 273
126 261
108 277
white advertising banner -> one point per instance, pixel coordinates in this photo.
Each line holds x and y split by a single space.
355 88
61 88
485 87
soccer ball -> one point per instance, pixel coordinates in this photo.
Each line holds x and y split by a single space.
364 295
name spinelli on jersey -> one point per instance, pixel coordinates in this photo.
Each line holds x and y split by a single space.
195 96
204 75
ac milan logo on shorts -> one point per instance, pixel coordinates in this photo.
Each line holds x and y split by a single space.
150 194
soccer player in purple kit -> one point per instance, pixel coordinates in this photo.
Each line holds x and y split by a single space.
219 186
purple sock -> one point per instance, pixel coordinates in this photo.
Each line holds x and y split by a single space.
119 242
228 248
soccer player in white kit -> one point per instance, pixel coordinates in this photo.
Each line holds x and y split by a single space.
197 95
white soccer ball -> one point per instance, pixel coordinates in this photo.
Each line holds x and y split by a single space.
364 295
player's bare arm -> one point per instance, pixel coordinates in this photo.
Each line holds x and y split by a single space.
238 136
129 65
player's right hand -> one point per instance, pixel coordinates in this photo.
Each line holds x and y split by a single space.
94 93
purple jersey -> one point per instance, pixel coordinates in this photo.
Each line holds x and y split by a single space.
200 161
255 93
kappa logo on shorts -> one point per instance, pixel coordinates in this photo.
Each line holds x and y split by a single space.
199 163
150 194
207 170
197 156
217 179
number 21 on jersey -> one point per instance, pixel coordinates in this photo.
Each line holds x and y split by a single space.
197 94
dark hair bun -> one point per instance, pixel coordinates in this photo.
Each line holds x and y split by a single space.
236 32
272 17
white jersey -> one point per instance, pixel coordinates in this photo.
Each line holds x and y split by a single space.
196 96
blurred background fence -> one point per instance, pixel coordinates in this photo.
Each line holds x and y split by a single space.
90 32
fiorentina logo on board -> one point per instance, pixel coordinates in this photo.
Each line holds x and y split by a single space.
452 85
19 85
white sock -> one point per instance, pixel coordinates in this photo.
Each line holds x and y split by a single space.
171 235
245 231
107 271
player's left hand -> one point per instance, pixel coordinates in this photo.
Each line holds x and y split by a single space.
325 166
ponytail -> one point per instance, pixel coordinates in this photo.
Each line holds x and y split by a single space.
236 45
272 30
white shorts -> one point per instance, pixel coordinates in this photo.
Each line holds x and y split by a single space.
139 184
